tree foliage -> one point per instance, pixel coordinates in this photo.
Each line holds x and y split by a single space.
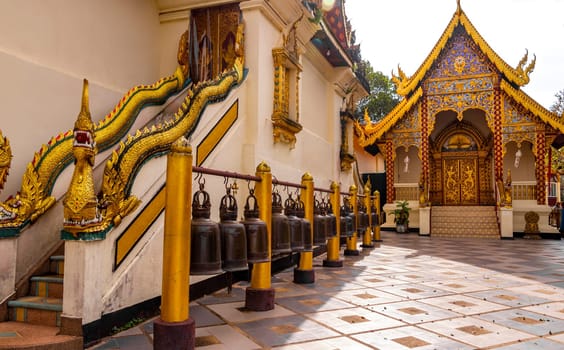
558 106
382 98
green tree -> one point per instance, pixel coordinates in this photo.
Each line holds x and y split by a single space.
382 98
558 106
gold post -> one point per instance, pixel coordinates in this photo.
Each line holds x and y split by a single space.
377 237
260 276
334 243
351 241
367 237
304 273
177 221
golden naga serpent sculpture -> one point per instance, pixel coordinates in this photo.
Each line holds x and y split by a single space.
34 197
115 200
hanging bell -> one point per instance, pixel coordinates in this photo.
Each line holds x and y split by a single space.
281 241
332 220
205 256
374 217
352 216
346 222
233 236
306 225
257 232
362 218
319 224
295 225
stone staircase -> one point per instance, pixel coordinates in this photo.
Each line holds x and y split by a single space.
35 319
464 222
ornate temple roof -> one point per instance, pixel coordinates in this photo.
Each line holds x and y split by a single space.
410 87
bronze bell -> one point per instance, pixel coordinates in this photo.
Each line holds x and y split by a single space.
306 225
374 217
319 224
205 256
233 236
331 219
352 216
257 232
362 218
346 222
281 241
295 225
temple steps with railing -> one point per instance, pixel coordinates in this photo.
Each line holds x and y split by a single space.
464 222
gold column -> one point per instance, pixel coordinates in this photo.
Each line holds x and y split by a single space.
351 241
377 237
175 329
367 234
259 296
333 244
260 276
304 273
177 221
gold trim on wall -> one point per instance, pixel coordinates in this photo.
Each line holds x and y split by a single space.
212 139
136 230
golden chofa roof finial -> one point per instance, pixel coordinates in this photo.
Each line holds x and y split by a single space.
458 8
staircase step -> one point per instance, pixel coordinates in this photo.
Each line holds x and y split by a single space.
57 264
18 335
464 222
47 286
37 310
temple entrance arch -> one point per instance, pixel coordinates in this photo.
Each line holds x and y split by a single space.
461 160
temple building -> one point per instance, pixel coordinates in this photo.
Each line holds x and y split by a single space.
256 86
465 138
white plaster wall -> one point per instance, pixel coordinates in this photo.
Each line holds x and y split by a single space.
52 45
8 249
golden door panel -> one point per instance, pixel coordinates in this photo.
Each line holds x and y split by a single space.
460 179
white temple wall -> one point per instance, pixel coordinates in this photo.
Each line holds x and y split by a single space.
45 58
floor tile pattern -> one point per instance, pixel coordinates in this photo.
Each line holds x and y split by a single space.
409 292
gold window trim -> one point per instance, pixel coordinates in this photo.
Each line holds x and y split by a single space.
286 74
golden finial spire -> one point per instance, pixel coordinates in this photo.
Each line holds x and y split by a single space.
85 108
458 8
84 120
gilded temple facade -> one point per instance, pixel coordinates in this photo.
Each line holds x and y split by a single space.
463 130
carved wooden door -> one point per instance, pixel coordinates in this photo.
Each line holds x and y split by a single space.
460 180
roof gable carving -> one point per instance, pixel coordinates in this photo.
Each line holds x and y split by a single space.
460 58
518 76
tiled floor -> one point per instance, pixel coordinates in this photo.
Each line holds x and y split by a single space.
409 292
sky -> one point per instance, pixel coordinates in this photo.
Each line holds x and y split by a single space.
392 32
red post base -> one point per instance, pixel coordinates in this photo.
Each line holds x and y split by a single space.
352 252
332 263
174 335
304 276
259 299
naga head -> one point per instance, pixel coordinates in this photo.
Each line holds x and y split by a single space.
84 145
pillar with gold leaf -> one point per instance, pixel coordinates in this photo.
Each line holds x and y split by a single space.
304 273
259 296
367 234
334 243
377 237
351 248
175 329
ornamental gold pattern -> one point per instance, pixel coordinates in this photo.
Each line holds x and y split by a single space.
124 163
5 159
80 205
